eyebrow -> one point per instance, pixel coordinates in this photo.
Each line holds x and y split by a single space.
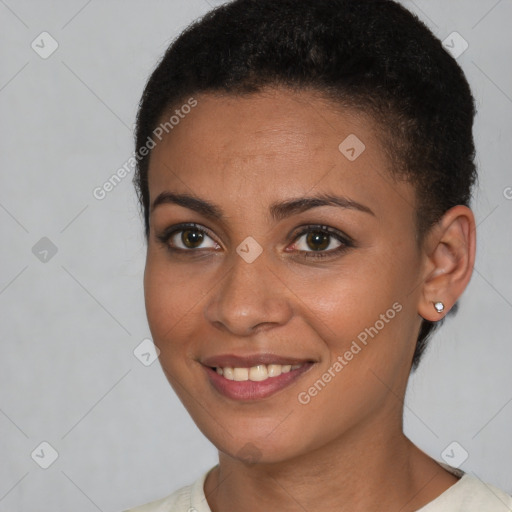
278 211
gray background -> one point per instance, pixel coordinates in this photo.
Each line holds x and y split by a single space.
70 323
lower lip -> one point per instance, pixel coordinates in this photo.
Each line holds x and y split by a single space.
251 390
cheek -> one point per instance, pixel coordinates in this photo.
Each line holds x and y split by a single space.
348 298
363 313
170 297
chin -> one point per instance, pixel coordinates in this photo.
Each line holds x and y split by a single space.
257 448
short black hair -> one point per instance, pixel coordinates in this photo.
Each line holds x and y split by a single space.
371 55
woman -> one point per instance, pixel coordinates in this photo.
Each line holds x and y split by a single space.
305 171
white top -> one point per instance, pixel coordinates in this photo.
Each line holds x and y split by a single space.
469 494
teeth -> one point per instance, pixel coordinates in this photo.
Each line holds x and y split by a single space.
240 374
256 373
227 372
274 370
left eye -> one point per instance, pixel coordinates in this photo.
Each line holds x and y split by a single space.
321 241
317 240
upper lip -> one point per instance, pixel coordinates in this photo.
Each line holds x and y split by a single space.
248 361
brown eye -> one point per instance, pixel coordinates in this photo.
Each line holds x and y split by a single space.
187 238
318 240
192 238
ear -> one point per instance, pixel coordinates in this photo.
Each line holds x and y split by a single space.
449 251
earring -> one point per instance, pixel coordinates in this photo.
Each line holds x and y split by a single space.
439 306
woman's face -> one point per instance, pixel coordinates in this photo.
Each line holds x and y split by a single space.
302 253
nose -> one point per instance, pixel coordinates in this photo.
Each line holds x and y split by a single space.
250 298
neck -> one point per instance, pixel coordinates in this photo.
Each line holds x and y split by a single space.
357 472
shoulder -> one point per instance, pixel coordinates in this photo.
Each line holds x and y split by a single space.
178 501
190 498
470 494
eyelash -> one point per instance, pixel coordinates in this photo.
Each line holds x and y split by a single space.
345 241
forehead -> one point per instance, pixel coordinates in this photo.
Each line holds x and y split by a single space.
274 143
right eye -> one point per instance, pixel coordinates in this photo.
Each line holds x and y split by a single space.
187 238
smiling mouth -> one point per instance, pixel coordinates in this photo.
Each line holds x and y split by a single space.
255 382
256 373
249 377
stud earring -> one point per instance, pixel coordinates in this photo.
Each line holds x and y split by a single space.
439 306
